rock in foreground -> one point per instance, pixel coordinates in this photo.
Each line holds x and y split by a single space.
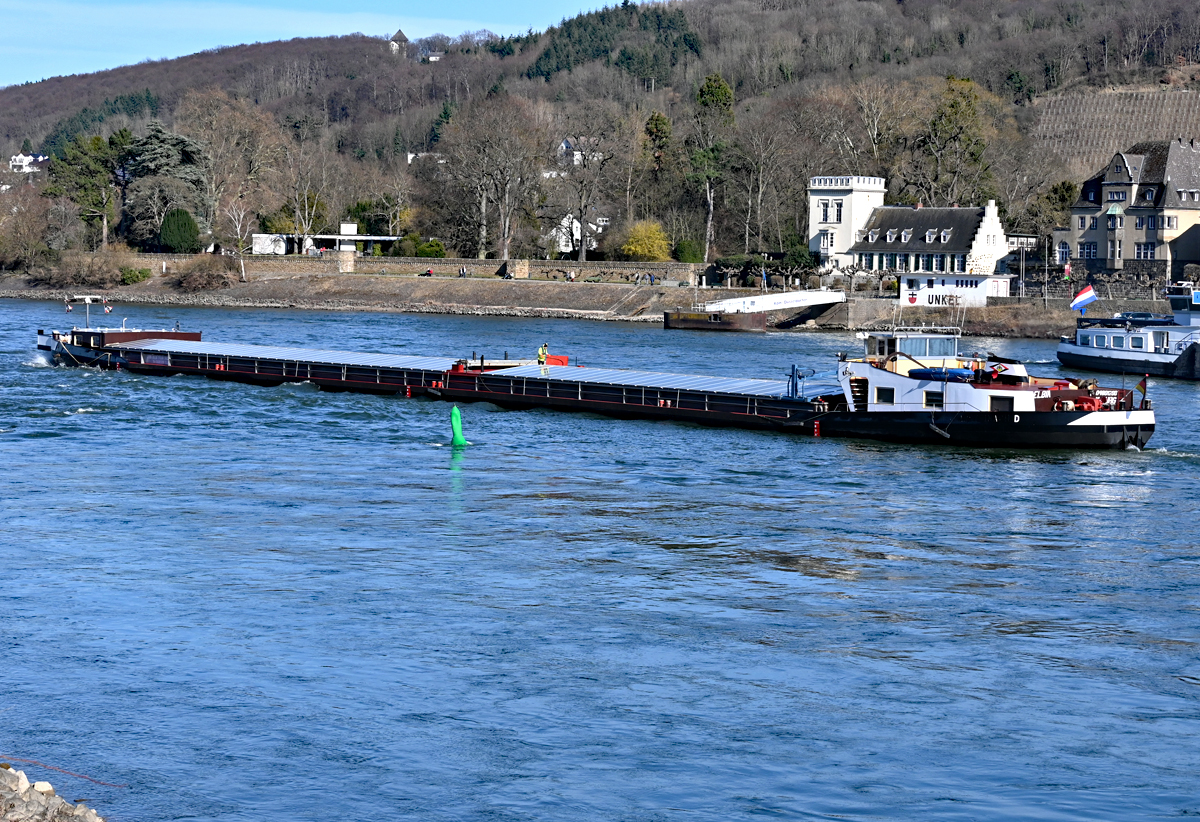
23 802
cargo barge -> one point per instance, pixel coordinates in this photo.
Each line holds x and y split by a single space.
912 386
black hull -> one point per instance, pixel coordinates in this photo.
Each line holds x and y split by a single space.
1184 367
1050 429
79 356
1040 430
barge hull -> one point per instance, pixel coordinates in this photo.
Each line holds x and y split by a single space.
695 321
714 401
1184 367
1055 429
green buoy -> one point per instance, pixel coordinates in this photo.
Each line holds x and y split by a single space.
457 440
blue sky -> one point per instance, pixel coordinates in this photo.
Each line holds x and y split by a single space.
78 36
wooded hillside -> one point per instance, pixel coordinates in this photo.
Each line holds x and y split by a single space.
640 93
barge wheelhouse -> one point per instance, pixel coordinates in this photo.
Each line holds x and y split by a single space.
913 384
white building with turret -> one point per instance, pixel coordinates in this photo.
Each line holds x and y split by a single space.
838 207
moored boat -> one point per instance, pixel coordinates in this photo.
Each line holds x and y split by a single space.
1141 343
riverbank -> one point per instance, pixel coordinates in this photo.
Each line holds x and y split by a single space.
614 302
428 295
22 801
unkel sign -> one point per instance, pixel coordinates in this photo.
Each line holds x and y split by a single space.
945 297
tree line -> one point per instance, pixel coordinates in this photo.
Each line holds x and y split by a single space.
692 127
510 177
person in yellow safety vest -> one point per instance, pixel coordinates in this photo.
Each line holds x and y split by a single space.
543 352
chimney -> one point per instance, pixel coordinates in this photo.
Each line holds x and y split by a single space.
917 206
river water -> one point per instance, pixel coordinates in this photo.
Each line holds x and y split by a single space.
249 603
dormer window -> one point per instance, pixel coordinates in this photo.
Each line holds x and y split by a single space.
929 235
945 235
891 235
906 235
873 235
861 234
1092 196
1148 194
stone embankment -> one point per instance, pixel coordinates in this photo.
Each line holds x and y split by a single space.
21 801
374 292
610 301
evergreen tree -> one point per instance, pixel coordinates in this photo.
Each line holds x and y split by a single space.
180 234
714 118
91 173
27 147
161 153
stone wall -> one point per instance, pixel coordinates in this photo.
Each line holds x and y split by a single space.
340 262
1135 286
1104 307
1135 280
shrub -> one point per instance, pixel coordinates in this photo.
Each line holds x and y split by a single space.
406 246
76 270
130 276
433 248
689 251
208 272
647 242
179 233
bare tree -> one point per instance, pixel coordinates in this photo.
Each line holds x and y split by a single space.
520 149
243 148
883 107
759 149
148 200
591 145
307 179
467 147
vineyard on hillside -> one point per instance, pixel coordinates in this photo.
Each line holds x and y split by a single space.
1085 130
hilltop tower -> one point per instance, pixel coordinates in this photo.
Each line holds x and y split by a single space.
399 43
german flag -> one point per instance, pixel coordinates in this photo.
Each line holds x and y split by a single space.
1141 388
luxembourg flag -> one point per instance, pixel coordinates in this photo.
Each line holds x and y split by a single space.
1088 295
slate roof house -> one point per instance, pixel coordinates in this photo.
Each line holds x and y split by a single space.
942 256
1140 214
